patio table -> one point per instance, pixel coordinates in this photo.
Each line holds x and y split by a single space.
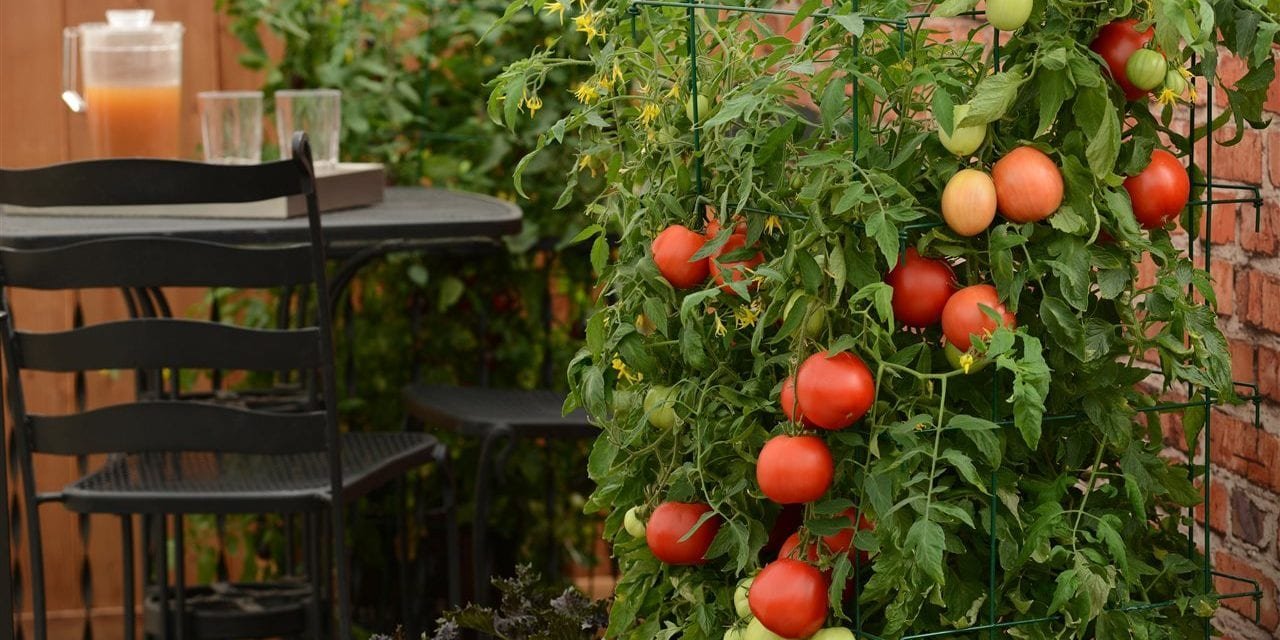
408 219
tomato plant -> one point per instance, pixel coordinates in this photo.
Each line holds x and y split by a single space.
673 253
921 287
1146 69
677 534
794 469
1160 191
966 315
1028 185
824 144
969 202
963 140
789 598
725 270
834 390
1008 15
1116 42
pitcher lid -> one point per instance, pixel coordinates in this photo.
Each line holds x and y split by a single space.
125 22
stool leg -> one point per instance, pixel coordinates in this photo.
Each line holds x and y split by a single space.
130 609
480 562
180 577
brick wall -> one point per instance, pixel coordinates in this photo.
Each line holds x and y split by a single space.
1245 502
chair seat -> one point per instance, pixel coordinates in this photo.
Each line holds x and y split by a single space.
474 411
200 482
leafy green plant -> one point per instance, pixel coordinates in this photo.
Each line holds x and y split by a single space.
412 75
528 611
1041 472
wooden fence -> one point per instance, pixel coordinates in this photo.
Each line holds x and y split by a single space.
82 556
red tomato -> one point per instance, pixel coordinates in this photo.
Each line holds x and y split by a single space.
789 598
1028 185
843 541
670 522
963 315
791 408
834 392
733 270
1160 191
672 251
788 549
714 227
1116 42
921 287
794 469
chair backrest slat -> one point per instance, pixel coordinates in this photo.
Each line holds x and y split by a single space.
177 426
155 262
154 343
141 181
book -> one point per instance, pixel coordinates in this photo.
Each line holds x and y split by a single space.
347 185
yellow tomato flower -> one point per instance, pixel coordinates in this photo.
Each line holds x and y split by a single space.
1167 97
533 103
674 92
746 316
617 72
587 92
966 361
625 372
649 113
772 224
720 328
556 8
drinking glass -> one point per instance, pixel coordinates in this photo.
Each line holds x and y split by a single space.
318 112
231 126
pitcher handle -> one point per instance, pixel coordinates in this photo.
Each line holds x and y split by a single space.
70 76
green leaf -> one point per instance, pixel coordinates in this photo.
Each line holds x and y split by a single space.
851 23
924 544
1063 325
1103 131
994 96
1051 91
951 8
982 433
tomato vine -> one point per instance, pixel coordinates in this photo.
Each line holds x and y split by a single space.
825 142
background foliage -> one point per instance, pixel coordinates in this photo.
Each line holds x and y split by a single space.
411 73
1088 515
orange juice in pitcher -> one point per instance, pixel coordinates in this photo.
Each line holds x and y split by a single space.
132 71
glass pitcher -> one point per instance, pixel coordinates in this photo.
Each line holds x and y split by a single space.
132 71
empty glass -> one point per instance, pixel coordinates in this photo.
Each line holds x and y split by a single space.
318 112
231 126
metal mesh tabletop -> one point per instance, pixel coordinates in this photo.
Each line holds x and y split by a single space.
219 483
535 413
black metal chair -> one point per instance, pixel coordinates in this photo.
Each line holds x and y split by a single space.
171 455
497 418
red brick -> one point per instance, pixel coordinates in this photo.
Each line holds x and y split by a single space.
1171 427
1269 373
1224 223
1264 472
1219 501
1273 145
1246 568
1242 360
1224 284
1241 162
1230 70
1249 519
1263 295
1235 443
1146 272
1260 238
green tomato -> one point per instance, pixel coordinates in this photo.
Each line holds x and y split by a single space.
1146 69
733 633
757 631
1008 15
955 357
740 603
632 523
660 406
815 318
833 633
704 108
1174 82
963 140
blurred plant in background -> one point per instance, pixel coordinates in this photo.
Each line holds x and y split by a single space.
413 76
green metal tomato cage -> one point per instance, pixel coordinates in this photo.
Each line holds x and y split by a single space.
1250 196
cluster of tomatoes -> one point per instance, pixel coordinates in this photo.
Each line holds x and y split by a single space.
675 248
1161 190
788 598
